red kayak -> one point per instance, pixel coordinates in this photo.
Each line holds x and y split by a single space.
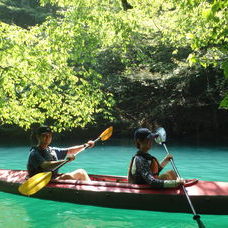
208 197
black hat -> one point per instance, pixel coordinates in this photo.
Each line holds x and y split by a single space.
143 133
43 129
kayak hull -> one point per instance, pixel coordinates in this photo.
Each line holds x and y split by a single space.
208 197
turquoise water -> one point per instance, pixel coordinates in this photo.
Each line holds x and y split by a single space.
203 162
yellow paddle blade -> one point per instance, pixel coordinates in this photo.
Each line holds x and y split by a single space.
35 183
106 134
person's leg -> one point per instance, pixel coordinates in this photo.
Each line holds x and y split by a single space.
169 175
79 174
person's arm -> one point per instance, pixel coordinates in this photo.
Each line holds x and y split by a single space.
166 160
49 165
142 167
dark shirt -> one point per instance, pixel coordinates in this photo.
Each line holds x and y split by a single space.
37 156
140 171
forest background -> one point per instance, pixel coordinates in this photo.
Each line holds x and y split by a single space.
82 65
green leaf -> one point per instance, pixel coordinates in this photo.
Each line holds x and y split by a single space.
225 68
224 102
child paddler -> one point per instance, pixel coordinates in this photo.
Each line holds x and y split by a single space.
145 168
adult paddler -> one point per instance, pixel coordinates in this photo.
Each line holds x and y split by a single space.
44 158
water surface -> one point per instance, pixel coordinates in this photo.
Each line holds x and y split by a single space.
202 162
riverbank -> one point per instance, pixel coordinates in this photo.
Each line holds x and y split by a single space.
18 136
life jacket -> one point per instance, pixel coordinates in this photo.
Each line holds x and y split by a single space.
155 166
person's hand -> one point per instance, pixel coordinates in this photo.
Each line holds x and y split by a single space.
180 181
174 183
169 157
70 157
90 143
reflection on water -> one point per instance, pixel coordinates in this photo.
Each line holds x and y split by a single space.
207 163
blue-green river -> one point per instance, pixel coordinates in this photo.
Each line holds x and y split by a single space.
112 157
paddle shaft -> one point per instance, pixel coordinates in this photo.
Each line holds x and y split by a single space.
196 216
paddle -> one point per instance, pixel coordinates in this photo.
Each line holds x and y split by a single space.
161 140
40 180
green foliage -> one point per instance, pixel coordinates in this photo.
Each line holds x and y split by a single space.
47 72
54 72
24 13
198 24
208 33
203 25
37 83
224 103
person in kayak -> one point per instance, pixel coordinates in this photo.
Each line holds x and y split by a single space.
43 158
145 168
